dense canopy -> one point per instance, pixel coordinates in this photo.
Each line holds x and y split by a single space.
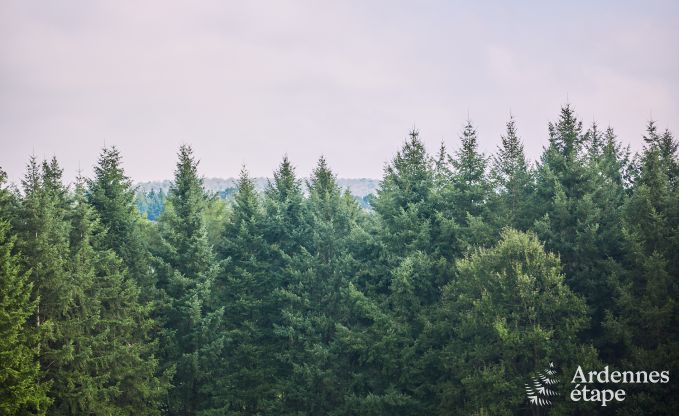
466 275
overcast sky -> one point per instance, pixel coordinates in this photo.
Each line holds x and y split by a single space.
245 82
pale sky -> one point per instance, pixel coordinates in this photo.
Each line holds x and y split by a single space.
245 82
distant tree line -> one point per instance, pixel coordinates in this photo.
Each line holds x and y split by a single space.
468 274
150 196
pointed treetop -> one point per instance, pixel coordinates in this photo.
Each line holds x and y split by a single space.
467 157
565 136
441 158
32 178
109 166
510 157
651 135
322 179
285 182
186 177
414 134
244 181
595 140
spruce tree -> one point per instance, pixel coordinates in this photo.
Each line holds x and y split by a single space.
315 304
186 271
285 217
244 287
645 317
115 371
513 182
286 232
570 213
416 237
405 199
43 231
469 176
21 388
467 194
111 194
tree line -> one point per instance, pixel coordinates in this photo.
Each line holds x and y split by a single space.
468 274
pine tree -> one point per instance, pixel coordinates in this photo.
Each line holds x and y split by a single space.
114 370
513 182
568 211
186 273
112 196
244 287
283 203
43 231
21 389
644 321
404 201
315 303
467 195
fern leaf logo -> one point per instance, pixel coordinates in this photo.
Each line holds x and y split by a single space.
540 391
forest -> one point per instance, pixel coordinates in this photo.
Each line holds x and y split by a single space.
466 275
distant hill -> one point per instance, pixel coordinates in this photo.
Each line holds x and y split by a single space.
359 187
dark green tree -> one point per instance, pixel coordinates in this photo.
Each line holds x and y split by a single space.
43 238
21 389
513 182
186 270
572 211
646 312
111 194
314 304
468 193
244 288
113 370
471 189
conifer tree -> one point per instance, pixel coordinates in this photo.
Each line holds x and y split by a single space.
43 231
467 195
283 203
244 287
324 267
111 194
21 389
186 273
568 217
416 239
286 232
404 201
513 181
469 176
412 215
114 370
646 312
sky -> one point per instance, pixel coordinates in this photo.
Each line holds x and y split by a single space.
246 82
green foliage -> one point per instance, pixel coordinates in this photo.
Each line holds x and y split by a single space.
21 391
186 270
465 276
646 313
112 196
513 182
507 314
